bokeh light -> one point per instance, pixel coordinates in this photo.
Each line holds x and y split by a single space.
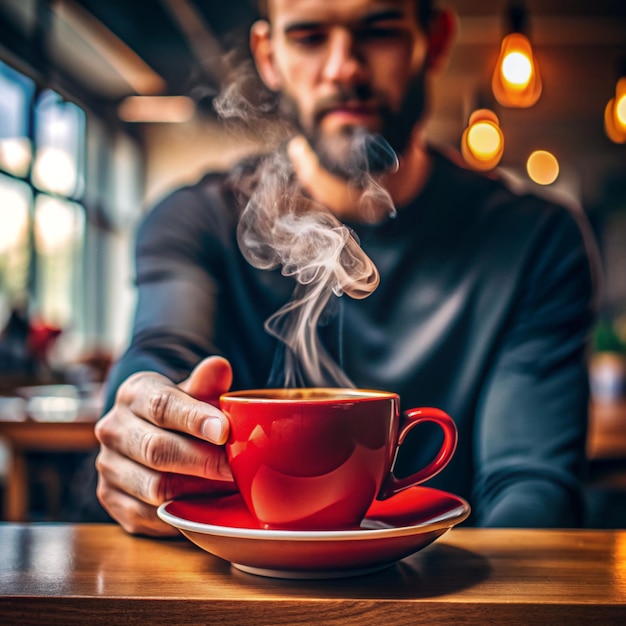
542 167
516 79
13 217
620 111
482 143
15 155
484 139
55 171
55 224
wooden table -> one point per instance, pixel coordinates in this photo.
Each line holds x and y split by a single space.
33 436
82 574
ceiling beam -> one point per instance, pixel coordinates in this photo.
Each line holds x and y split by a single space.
125 61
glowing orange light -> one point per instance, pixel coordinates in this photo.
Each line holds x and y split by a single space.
517 70
516 79
620 111
542 167
482 143
615 114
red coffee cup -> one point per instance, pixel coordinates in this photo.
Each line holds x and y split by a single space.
316 459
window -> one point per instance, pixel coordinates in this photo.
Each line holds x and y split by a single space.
59 146
59 233
71 193
15 204
17 94
15 194
42 219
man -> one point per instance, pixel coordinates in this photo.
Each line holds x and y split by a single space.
483 308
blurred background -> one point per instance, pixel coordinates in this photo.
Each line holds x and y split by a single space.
106 105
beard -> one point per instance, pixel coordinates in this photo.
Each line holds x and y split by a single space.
355 152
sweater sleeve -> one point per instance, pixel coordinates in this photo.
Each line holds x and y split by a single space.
532 416
177 263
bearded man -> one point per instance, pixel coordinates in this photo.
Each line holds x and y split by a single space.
483 303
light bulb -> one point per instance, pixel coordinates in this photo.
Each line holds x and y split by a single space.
517 70
484 140
482 143
619 108
615 114
620 111
516 80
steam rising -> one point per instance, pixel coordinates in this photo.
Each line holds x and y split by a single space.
281 226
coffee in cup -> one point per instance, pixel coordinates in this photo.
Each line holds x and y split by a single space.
316 458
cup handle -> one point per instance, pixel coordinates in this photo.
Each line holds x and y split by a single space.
410 419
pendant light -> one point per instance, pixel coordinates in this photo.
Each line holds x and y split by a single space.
482 143
516 80
615 111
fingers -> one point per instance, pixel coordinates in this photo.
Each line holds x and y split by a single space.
131 493
156 399
133 515
211 377
151 486
161 441
159 449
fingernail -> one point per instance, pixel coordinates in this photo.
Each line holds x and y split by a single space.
213 429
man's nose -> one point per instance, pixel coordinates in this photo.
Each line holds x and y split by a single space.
343 63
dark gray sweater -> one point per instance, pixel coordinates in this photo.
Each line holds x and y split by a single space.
484 310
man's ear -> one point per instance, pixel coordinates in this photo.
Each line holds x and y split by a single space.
441 35
261 47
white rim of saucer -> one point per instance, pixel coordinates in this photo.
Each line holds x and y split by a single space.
440 522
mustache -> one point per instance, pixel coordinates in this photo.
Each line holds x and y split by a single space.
347 96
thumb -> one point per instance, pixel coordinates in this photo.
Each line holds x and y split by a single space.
209 379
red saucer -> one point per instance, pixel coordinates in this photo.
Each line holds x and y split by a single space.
392 529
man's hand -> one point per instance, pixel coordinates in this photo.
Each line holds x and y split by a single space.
162 441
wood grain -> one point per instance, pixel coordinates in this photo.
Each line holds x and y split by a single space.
96 574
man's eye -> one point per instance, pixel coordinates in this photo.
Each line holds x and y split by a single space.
307 39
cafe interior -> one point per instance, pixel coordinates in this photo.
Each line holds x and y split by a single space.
107 106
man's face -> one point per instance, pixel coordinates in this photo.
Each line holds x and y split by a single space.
345 67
